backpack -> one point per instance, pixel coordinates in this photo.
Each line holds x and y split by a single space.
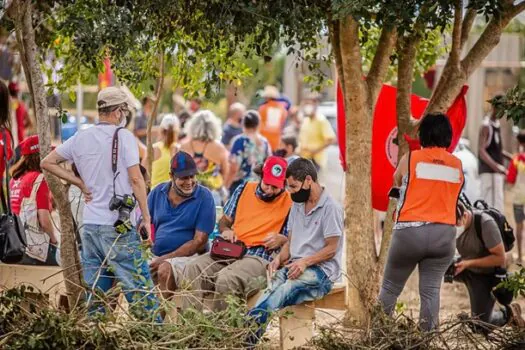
506 231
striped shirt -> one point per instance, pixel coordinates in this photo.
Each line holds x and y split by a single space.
231 208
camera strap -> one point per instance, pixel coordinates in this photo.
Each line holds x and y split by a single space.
114 157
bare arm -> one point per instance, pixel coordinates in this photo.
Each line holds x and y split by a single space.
140 132
234 167
401 170
327 253
139 189
143 132
189 248
225 164
284 255
52 162
327 143
156 155
44 220
495 259
297 267
225 223
483 154
507 155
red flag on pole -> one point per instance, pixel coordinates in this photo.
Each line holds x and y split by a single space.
105 79
384 136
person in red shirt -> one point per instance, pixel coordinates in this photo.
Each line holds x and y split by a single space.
516 177
26 178
23 121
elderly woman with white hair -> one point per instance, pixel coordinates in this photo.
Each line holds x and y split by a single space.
210 155
164 149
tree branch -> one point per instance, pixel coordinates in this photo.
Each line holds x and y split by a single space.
468 21
350 50
485 43
455 51
407 50
333 28
381 61
517 9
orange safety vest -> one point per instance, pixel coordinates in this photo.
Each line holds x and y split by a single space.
435 180
273 115
255 218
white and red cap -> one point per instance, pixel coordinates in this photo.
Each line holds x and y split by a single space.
274 171
30 146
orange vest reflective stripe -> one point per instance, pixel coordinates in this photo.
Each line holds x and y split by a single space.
255 218
435 179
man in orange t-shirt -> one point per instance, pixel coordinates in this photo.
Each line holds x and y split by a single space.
256 215
273 116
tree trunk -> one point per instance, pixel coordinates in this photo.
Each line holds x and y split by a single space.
153 117
363 269
360 249
68 248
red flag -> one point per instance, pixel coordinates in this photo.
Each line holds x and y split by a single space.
384 136
105 79
341 126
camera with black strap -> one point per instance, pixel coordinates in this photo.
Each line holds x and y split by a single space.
123 203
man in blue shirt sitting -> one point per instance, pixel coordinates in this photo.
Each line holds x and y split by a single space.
183 215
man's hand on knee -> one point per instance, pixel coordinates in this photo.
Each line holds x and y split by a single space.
156 262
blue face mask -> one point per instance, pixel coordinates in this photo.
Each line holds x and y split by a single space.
263 196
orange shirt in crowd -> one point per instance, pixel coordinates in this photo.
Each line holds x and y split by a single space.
273 116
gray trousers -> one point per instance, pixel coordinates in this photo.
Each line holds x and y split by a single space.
482 301
429 247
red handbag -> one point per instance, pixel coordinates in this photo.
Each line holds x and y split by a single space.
222 249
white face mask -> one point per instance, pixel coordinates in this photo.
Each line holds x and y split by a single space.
459 230
308 109
123 120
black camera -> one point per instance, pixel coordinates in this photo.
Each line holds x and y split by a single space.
451 271
124 204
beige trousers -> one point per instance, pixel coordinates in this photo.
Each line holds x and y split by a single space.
241 278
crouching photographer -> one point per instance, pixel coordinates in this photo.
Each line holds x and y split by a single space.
481 267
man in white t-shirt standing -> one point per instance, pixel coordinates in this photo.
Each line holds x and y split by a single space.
109 249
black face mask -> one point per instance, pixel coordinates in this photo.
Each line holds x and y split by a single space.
302 195
263 196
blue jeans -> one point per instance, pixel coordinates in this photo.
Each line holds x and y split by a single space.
311 285
106 256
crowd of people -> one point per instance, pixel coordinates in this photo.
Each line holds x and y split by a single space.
255 171
262 167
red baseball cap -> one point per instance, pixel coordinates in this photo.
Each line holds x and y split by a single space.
274 171
13 88
30 146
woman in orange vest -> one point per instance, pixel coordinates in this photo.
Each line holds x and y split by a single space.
430 181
